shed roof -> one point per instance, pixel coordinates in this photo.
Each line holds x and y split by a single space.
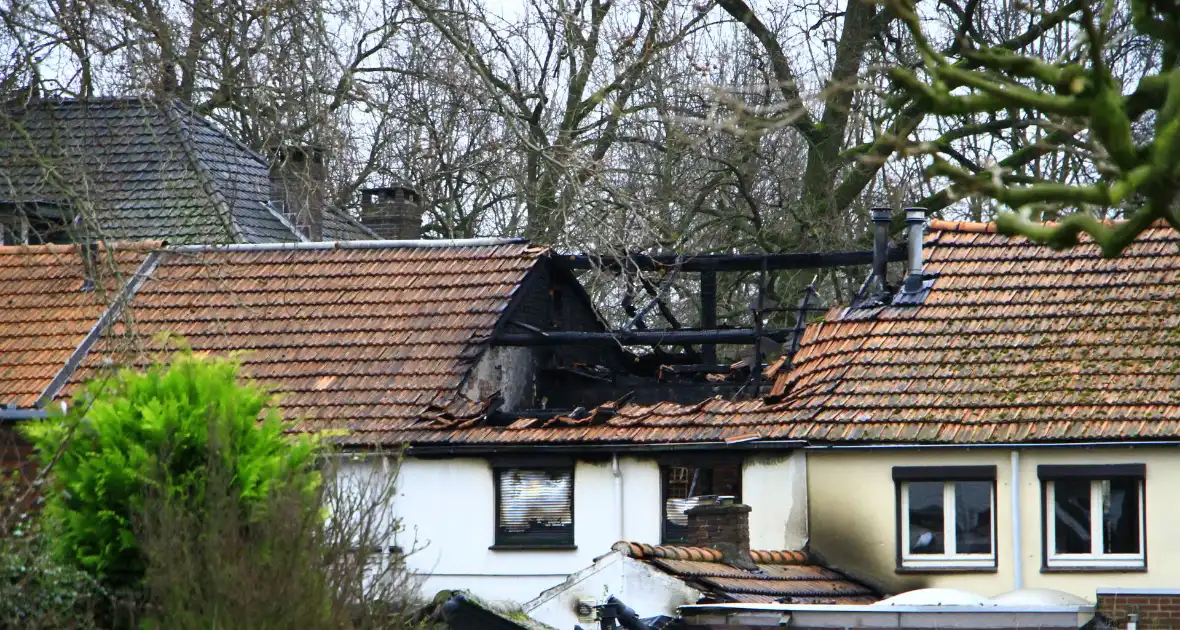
793 577
152 170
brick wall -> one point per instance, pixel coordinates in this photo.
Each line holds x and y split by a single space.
1158 609
724 527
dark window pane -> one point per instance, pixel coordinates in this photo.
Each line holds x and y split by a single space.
1071 515
727 481
536 507
1120 515
973 517
926 517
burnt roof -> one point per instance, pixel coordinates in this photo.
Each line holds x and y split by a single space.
1016 342
150 169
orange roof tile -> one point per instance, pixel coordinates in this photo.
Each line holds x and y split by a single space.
792 577
364 340
45 313
1015 343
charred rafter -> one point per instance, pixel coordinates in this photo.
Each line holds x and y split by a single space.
725 262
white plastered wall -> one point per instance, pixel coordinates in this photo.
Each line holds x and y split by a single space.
641 587
775 487
446 508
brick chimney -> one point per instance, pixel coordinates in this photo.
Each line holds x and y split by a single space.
393 212
724 526
298 183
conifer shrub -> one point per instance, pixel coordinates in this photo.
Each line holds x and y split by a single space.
134 434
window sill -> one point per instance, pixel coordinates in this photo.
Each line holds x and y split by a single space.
533 547
950 568
1097 568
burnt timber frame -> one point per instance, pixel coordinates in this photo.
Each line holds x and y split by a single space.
641 337
699 344
726 262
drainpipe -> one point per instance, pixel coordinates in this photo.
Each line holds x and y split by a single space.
618 473
1017 560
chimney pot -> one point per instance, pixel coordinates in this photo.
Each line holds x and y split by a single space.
915 219
882 217
393 212
299 180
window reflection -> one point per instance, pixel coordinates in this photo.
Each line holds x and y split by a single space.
1071 498
973 517
926 517
1120 515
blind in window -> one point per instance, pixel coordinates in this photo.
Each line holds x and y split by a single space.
536 506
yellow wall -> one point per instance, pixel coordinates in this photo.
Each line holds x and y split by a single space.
853 515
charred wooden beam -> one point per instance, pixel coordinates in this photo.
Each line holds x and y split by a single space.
640 337
709 313
727 262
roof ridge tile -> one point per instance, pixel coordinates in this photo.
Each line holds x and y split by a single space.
641 551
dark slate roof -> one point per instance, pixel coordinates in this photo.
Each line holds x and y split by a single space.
150 169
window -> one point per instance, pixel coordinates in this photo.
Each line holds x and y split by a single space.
32 224
686 486
535 507
946 517
1094 516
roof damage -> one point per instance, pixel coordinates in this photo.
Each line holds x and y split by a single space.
388 343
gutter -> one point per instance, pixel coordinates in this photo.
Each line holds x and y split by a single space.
458 450
22 414
605 449
617 471
877 617
997 445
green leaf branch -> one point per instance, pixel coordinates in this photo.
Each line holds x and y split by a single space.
1072 95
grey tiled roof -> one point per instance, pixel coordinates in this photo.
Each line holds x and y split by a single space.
147 170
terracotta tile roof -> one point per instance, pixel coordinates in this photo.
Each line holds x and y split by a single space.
45 313
370 341
791 577
1016 342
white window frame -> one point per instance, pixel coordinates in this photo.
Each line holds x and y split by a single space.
944 560
1094 559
